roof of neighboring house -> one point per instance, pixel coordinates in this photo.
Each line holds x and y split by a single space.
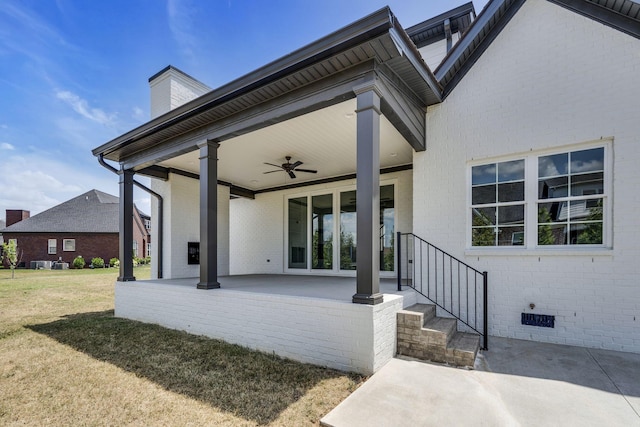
2 224
91 212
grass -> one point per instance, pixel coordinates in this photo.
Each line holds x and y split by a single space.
66 360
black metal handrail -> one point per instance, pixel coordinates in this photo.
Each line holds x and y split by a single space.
451 284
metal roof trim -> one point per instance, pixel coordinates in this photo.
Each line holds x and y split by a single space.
352 35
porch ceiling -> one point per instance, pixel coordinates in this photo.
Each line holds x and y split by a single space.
325 140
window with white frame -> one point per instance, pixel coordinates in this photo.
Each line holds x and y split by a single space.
497 204
571 198
52 246
69 245
555 199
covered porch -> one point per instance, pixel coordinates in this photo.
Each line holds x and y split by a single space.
339 117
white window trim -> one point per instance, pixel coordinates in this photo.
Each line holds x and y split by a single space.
49 246
64 245
531 246
335 192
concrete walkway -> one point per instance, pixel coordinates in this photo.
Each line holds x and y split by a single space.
515 383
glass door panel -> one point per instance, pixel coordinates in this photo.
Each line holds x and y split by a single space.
387 228
298 232
348 230
322 232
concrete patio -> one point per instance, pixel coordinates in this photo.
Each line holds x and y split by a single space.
515 383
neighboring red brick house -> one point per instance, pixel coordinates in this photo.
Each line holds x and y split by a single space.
86 225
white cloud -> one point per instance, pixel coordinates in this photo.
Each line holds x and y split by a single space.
36 181
182 15
82 107
6 146
138 114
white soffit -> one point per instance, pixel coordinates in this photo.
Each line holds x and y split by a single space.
325 140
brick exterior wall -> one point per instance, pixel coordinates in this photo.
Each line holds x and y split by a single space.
551 78
34 246
15 215
338 334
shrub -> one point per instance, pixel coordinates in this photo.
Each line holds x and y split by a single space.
97 262
113 262
135 261
78 262
147 260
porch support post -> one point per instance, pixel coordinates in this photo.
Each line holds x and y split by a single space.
125 218
209 215
368 194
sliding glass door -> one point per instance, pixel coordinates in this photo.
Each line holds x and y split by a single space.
313 220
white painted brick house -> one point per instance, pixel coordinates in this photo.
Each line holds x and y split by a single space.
510 140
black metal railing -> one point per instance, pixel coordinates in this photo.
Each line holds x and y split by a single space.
451 284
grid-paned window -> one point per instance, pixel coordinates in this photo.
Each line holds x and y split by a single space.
52 246
542 200
497 204
571 198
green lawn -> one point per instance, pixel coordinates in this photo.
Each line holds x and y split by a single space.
65 360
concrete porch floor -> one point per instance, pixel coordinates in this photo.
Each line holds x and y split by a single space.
327 287
515 383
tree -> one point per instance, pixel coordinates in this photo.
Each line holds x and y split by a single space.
545 234
592 233
11 255
484 230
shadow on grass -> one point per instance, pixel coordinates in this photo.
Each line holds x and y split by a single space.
249 384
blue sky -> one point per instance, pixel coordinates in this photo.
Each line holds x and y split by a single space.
74 73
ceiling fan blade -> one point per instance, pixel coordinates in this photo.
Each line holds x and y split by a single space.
271 164
306 170
296 164
279 170
291 174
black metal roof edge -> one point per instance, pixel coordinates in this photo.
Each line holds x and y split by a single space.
416 60
171 67
586 8
487 39
366 28
603 15
481 21
430 23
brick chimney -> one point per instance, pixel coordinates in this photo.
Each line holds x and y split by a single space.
170 88
16 215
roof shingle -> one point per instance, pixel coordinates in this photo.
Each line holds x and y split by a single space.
91 212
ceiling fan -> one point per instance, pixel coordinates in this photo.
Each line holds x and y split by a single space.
289 167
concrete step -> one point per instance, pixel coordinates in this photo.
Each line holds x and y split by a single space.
423 335
463 349
439 330
414 312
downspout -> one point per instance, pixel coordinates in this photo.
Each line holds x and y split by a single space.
160 210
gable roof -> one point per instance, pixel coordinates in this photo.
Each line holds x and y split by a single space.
622 15
376 37
91 212
433 30
230 110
